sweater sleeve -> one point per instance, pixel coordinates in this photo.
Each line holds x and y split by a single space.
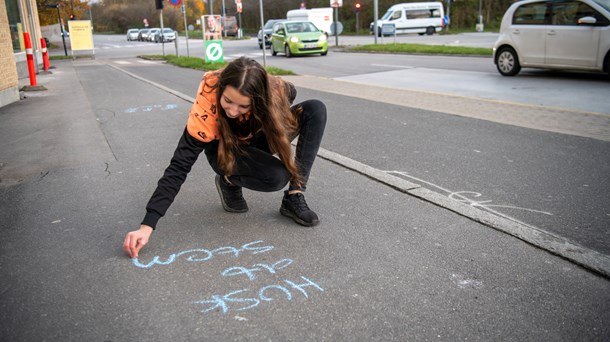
185 156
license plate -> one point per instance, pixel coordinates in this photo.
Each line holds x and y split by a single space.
310 46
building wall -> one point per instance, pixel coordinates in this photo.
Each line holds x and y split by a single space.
9 82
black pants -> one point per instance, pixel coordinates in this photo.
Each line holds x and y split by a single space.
259 170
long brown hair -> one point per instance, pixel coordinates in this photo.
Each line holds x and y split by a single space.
270 113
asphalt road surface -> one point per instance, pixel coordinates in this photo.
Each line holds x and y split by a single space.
80 161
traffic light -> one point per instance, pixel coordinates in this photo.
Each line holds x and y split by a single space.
357 7
159 4
72 17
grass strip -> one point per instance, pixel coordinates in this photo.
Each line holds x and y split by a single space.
421 48
200 64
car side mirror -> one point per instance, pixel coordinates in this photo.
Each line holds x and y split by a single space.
587 21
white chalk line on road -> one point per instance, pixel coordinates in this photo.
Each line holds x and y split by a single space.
557 245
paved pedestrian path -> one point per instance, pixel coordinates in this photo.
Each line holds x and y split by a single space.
579 123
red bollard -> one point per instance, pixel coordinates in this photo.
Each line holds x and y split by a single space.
45 55
29 52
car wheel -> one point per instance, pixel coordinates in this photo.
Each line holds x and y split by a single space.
287 51
260 46
430 31
324 53
273 52
379 32
507 62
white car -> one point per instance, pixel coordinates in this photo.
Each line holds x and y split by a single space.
169 35
567 34
132 34
153 34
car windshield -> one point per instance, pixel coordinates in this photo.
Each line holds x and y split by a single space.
133 31
300 27
604 3
387 15
168 30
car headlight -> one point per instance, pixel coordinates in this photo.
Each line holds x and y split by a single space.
294 39
322 38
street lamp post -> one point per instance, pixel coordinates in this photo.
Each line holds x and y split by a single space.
61 27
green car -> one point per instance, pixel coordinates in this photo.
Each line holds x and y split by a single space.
298 38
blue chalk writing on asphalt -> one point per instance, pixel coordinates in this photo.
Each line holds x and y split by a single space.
249 272
222 302
301 286
261 292
202 254
244 299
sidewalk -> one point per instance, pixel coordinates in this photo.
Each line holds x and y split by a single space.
63 114
579 123
80 160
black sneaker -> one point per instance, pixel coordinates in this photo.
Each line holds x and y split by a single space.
231 197
294 206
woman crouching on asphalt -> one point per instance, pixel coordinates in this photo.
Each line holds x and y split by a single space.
241 118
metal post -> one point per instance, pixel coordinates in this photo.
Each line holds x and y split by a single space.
176 43
223 21
61 26
162 38
263 37
186 31
239 31
336 26
375 15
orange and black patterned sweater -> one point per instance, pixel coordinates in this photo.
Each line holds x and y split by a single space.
200 133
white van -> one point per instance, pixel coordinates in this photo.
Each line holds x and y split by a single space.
414 17
321 17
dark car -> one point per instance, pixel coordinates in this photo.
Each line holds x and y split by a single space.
267 28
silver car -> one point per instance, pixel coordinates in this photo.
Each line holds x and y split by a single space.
169 35
152 34
132 34
143 34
